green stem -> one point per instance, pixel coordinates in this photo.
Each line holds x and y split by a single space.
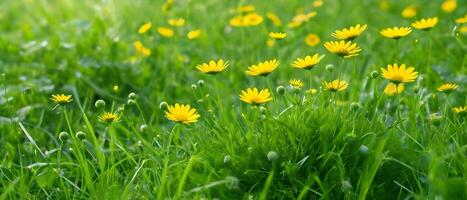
166 164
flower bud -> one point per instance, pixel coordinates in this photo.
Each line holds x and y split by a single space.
81 135
280 89
273 156
143 127
63 136
193 86
132 95
163 105
354 106
200 83
363 149
131 102
329 67
99 103
227 159
374 74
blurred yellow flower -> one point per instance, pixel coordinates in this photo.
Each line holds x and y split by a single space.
462 20
255 97
140 48
181 113
213 67
176 22
463 29
409 11
312 91
251 19
449 5
317 3
343 48
384 5
351 33
246 8
295 83
61 98
425 24
165 32
399 74
270 42
447 88
144 28
335 85
392 89
299 19
274 19
309 62
277 35
396 32
193 34
263 68
116 88
312 40
109 117
460 110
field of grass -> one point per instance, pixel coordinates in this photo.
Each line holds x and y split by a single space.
134 60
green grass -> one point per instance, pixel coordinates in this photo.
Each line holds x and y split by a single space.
300 146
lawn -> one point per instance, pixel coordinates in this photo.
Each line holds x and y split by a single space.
223 99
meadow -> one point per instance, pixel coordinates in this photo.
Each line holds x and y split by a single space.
223 99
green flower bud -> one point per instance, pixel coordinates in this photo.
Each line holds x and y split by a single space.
131 102
374 74
99 103
329 67
363 149
63 136
132 95
193 86
81 135
280 89
227 159
355 106
143 127
273 156
163 105
200 83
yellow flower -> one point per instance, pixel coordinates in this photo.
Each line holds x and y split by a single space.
392 89
109 117
399 74
409 11
251 19
295 83
425 24
335 85
176 22
308 62
447 88
463 29
460 110
351 33
396 32
277 35
317 3
312 91
343 48
274 19
449 5
270 42
212 67
182 114
300 19
263 68
61 98
384 5
193 34
246 8
144 28
139 47
165 32
312 40
255 97
116 88
462 20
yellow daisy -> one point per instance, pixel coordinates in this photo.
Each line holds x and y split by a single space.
193 34
61 98
425 24
409 11
350 33
277 35
295 83
182 114
212 67
165 32
399 74
447 88
246 8
396 32
462 20
343 48
449 5
144 28
255 97
335 85
460 109
274 19
312 40
253 19
263 68
140 48
176 22
109 117
318 3
392 89
308 62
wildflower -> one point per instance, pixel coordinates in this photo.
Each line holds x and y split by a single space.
449 5
61 98
317 3
109 117
140 48
463 29
335 85
396 32
165 32
144 28
425 24
312 40
299 19
246 8
251 19
343 48
351 33
255 97
409 11
274 19
270 42
280 89
462 20
391 89
399 74
312 91
263 68
308 62
213 67
176 22
460 110
296 84
182 114
277 35
193 34
447 88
